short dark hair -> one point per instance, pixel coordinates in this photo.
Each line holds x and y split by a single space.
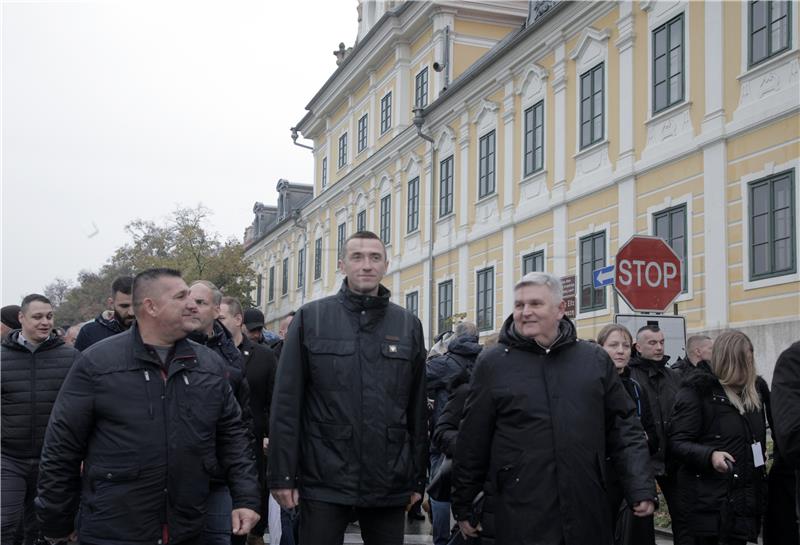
122 284
367 235
649 327
28 299
233 303
142 280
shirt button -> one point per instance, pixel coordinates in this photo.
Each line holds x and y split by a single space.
109 475
166 491
363 312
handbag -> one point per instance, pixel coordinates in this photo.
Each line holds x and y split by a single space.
439 487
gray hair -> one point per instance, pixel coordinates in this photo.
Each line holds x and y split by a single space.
465 328
215 291
550 281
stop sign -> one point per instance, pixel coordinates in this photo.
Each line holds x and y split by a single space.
648 274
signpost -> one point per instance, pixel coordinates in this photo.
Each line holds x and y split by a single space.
648 274
674 328
603 277
568 284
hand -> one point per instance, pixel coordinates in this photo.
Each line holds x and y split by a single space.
644 508
467 529
718 458
415 497
288 498
243 520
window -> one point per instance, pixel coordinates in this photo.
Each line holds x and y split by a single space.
445 305
361 221
421 88
772 226
324 172
362 133
668 64
285 277
592 106
484 308
533 261
301 268
592 256
446 187
412 303
341 236
343 150
386 112
670 225
386 219
534 138
486 147
769 29
413 204
318 259
271 288
259 289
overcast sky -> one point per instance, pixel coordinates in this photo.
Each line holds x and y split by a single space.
117 110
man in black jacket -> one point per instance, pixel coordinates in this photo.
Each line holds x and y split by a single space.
348 421
211 333
35 363
260 366
110 322
152 416
698 351
649 368
786 409
543 411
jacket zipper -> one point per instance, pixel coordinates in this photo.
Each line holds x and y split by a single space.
33 403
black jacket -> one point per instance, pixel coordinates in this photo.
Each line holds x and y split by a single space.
786 408
442 370
445 432
704 421
660 383
537 427
640 398
348 415
260 366
150 437
102 327
30 384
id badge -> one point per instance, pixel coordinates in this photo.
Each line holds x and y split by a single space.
758 454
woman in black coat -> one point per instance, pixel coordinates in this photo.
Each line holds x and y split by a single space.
718 432
617 341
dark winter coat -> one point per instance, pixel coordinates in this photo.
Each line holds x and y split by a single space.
348 418
538 425
260 366
446 431
683 366
642 401
704 421
442 370
150 437
660 383
30 384
786 409
103 327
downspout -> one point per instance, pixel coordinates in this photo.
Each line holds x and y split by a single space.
419 120
295 136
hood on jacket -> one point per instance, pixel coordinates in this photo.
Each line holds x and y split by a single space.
359 301
639 361
11 341
220 338
107 320
465 345
510 337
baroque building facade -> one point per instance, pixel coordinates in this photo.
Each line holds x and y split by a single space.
545 136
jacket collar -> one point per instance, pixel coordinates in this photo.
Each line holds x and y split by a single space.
183 355
510 337
652 367
11 341
356 302
107 319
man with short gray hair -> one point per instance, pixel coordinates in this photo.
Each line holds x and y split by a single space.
543 412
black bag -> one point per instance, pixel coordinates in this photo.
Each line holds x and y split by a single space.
439 489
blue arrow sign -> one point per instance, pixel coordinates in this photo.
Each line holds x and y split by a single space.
603 277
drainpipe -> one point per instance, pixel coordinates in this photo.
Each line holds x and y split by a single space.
295 136
419 120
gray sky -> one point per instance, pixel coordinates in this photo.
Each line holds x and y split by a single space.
117 110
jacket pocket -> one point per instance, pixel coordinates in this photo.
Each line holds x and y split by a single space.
327 448
330 362
397 360
398 450
123 500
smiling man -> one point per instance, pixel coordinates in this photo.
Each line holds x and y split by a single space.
543 411
35 363
348 421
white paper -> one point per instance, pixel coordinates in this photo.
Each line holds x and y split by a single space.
758 454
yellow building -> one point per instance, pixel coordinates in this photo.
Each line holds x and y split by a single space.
549 134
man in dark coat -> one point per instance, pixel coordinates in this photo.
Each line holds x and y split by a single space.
786 410
152 416
649 368
109 322
283 328
260 366
9 319
543 411
698 352
440 372
211 333
348 434
35 363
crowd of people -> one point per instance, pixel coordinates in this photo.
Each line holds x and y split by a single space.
175 417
